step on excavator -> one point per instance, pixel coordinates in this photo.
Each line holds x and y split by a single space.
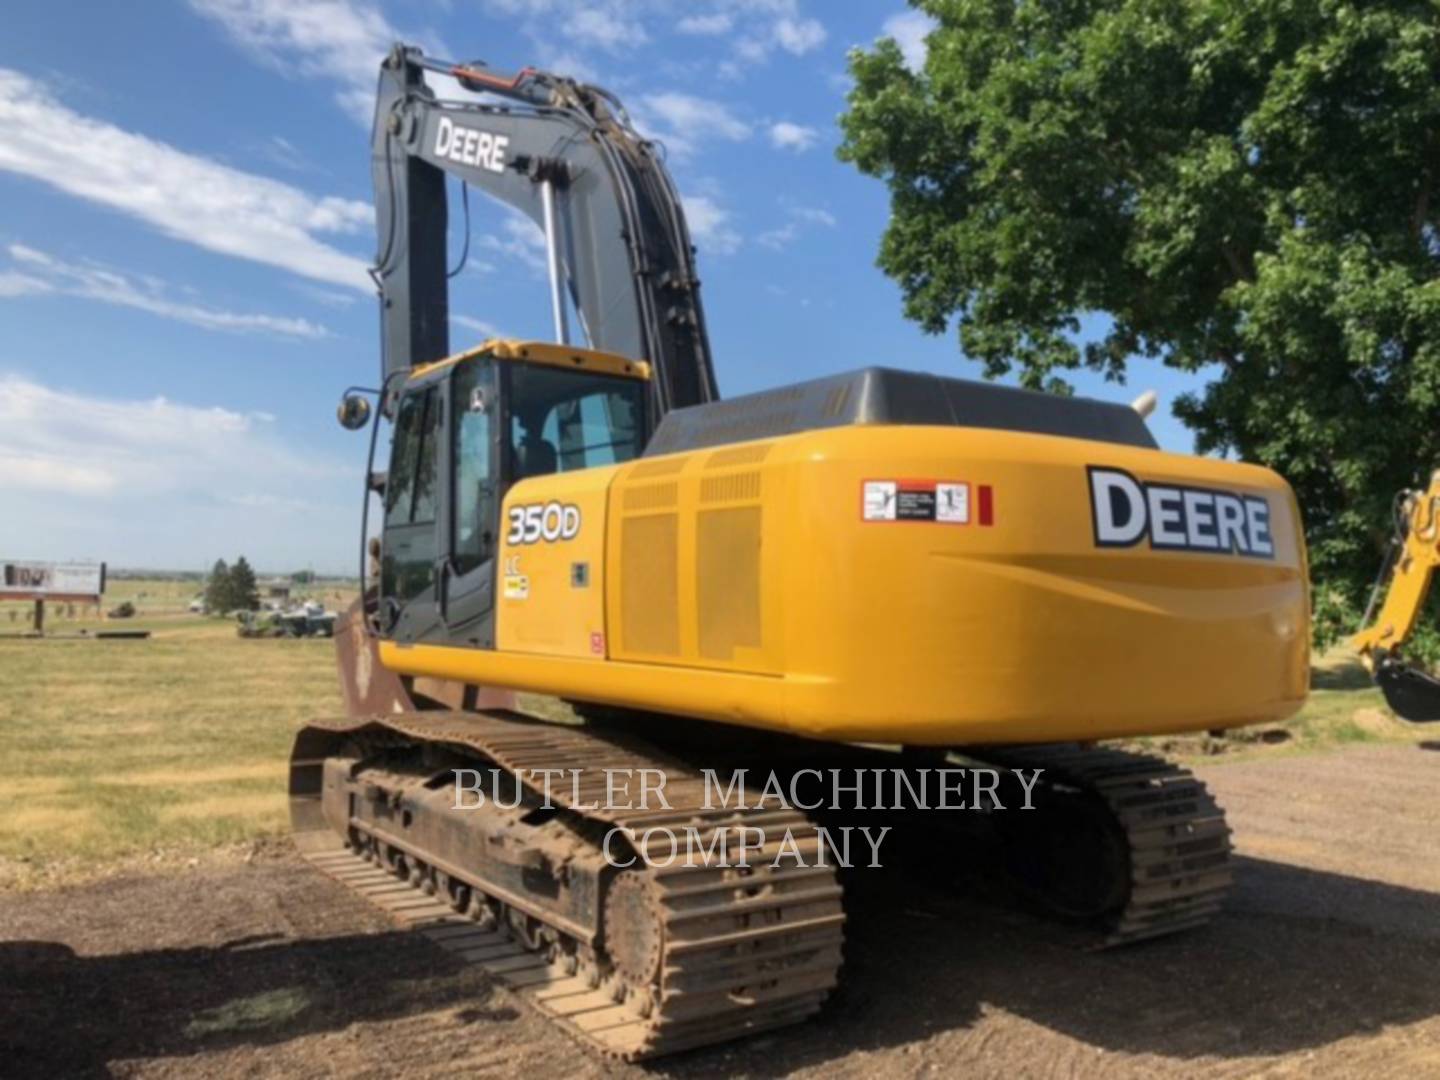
1396 603
876 570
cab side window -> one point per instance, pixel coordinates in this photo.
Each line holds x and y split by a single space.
474 481
410 486
428 467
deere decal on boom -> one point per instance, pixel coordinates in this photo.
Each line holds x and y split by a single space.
880 569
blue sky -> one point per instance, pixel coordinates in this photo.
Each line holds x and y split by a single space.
186 222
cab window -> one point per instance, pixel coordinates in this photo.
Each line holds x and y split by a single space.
399 482
562 420
474 482
410 485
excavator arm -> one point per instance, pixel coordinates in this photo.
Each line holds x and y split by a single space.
1389 622
564 154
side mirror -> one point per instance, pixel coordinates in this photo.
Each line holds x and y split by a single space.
353 412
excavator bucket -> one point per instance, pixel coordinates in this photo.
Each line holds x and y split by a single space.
1411 694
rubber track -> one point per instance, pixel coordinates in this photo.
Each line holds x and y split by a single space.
743 950
1180 864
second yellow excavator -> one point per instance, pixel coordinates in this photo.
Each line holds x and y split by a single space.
878 571
1397 602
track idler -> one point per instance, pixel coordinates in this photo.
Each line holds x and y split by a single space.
1128 845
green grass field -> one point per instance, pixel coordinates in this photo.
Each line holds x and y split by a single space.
174 746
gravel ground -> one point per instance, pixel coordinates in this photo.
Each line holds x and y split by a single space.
1327 963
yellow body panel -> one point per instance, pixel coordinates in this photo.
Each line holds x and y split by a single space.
744 584
550 596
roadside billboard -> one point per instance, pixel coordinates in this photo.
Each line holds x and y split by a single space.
29 580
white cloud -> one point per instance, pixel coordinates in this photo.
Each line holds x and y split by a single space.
485 330
344 40
61 442
799 36
778 24
783 236
159 483
909 29
759 27
787 136
708 25
331 298
185 196
92 282
682 122
523 242
780 238
814 215
710 225
570 64
605 28
13 283
612 26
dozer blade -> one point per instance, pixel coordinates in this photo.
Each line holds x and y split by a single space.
1411 694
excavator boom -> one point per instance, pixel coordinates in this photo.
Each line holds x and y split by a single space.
565 155
1412 694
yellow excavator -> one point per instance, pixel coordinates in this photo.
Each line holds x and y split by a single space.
1397 602
873 574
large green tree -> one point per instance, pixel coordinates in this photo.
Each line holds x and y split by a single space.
1244 187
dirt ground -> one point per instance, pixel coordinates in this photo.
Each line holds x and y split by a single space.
1327 963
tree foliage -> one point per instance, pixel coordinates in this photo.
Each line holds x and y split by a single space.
217 588
231 588
1245 187
244 595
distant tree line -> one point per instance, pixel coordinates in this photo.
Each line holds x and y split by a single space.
232 588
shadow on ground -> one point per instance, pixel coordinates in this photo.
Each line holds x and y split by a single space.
1345 676
1300 960
63 1014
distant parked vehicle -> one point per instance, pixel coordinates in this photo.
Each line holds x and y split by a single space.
299 622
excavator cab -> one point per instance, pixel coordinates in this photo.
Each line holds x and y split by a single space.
466 429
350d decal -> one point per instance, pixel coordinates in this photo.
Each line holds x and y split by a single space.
543 521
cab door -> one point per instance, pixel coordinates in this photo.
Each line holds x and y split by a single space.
473 509
408 567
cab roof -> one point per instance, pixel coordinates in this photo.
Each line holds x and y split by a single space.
544 352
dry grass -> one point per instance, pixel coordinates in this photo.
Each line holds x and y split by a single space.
175 744
173 748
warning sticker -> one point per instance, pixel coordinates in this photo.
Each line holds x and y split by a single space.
517 587
946 502
879 500
952 503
